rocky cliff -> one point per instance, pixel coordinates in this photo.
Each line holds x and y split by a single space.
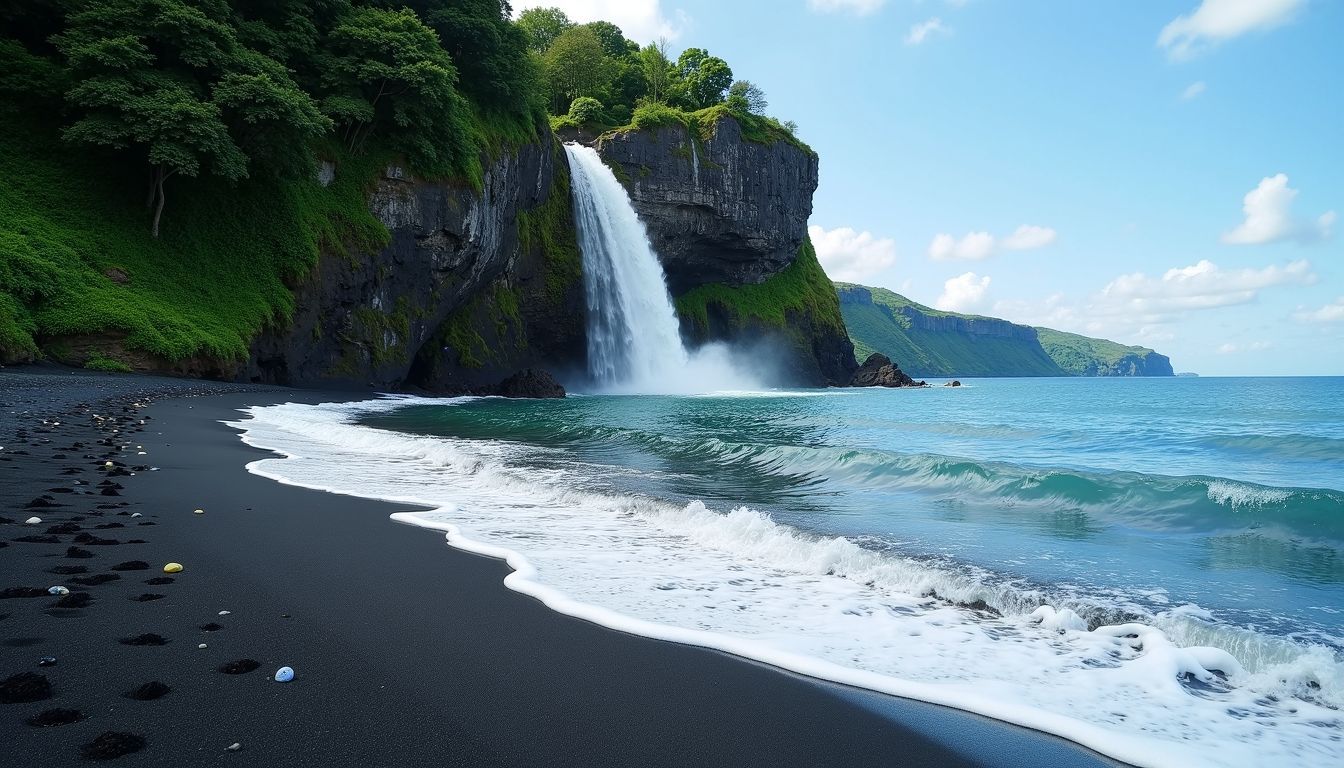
473 285
727 210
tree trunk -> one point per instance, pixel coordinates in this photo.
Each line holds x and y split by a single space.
153 185
160 176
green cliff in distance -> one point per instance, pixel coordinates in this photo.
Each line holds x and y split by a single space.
927 342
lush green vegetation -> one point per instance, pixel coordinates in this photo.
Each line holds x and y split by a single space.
971 345
159 155
1084 356
596 79
802 289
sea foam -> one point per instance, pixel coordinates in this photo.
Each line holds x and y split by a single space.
1175 689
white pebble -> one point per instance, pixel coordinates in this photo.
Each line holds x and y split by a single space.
33 520
235 746
202 645
224 613
136 514
284 674
58 591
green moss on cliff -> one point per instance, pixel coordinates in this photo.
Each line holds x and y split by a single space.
76 256
801 289
550 228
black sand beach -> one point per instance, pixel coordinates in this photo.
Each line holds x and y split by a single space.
406 651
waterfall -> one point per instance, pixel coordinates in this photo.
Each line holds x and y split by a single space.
633 336
695 165
634 339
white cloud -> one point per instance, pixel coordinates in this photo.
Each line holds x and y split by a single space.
641 20
1255 346
1200 286
1027 237
1192 90
924 29
1140 307
974 246
1330 313
1269 218
963 293
856 7
851 256
1217 20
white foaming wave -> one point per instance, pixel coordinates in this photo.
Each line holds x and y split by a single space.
1238 496
825 607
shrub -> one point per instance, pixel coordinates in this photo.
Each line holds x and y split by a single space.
585 109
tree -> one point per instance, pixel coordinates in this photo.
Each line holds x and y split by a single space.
389 75
745 96
142 71
270 117
488 50
542 26
576 66
699 79
612 40
656 67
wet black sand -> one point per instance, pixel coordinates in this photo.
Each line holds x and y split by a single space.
406 652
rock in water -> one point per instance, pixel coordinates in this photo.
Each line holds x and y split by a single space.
879 371
531 382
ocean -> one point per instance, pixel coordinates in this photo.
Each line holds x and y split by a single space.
1151 567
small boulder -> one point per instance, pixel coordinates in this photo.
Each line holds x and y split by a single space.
530 382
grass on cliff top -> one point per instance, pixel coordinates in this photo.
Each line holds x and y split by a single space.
72 219
1075 353
801 288
756 128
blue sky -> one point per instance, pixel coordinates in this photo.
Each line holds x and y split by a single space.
1167 173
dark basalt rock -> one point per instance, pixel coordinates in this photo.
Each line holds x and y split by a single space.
149 691
131 565
530 382
25 687
953 383
879 371
239 667
55 717
112 744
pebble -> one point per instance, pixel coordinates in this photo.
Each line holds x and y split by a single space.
58 591
224 613
200 512
33 520
47 661
136 514
202 646
284 674
172 568
235 746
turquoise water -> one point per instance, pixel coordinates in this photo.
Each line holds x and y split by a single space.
1150 567
1225 493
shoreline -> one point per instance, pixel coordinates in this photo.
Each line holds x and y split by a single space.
406 650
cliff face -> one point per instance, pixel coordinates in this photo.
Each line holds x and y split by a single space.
727 215
463 294
721 209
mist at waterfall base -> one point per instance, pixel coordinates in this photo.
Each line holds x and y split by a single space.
634 338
